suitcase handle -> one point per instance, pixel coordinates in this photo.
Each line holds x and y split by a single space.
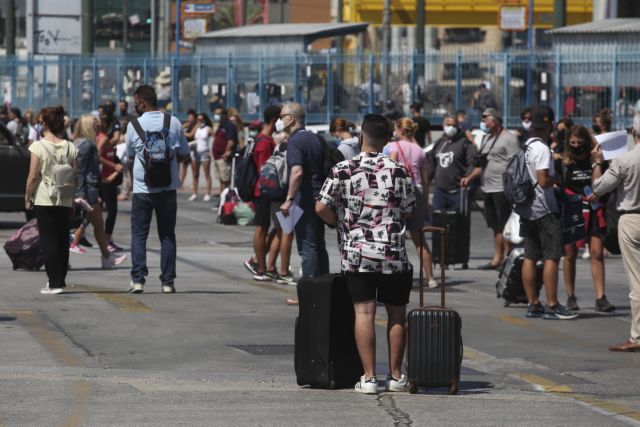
441 231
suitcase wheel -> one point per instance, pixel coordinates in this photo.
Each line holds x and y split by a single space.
453 387
413 386
465 266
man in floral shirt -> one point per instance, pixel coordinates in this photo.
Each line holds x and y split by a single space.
368 198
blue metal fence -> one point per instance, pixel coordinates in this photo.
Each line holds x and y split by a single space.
339 85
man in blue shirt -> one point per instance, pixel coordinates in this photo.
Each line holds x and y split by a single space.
147 198
305 160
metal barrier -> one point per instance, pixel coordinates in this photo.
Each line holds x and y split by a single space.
339 85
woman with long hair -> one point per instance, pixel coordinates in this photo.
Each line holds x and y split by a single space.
52 203
349 145
88 175
574 170
407 151
109 180
202 156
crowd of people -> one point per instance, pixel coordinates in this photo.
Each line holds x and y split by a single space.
377 191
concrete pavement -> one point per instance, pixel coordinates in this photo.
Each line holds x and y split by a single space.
99 356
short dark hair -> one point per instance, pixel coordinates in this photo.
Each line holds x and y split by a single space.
53 118
147 94
272 112
376 128
416 106
124 101
192 112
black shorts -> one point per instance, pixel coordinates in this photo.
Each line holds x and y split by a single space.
263 212
496 211
543 238
392 289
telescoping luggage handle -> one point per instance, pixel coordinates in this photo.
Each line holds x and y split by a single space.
442 231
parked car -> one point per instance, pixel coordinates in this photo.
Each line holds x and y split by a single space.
14 168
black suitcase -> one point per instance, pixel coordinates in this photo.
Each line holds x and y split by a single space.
458 234
509 285
434 342
326 355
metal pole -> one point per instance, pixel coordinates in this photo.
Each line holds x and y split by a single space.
529 89
559 13
330 85
386 45
614 88
125 26
10 27
458 80
506 102
87 27
420 23
178 27
152 44
245 5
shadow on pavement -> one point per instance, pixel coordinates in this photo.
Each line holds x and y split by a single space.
466 387
7 318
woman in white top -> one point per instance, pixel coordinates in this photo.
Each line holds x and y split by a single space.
202 155
50 190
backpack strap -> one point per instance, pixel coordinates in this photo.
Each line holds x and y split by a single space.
166 123
138 129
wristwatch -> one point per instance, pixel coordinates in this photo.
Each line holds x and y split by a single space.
596 164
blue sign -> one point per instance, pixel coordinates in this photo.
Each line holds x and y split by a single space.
200 8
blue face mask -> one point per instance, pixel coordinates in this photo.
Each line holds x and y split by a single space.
39 128
484 128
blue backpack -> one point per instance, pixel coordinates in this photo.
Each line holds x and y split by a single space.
157 153
272 182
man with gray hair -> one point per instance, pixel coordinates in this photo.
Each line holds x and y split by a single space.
623 175
498 147
305 160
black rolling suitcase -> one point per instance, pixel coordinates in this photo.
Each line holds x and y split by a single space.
325 347
458 233
509 285
434 342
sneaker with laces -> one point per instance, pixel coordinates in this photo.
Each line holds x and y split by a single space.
273 275
113 247
77 249
603 305
558 312
572 303
168 288
83 204
261 277
401 384
136 288
433 283
112 261
251 265
51 291
286 279
193 197
535 311
369 386
206 198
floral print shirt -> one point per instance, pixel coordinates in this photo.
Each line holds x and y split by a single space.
371 194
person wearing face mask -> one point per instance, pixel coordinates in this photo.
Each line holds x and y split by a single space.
341 130
525 125
201 156
451 160
305 159
577 167
224 142
498 147
560 137
602 122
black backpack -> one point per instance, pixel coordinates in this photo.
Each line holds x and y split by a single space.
157 153
332 156
519 188
246 175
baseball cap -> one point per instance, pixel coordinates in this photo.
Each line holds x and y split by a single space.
492 112
542 118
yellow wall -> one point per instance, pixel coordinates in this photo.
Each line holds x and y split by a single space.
461 13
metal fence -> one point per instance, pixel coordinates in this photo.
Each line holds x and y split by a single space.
339 85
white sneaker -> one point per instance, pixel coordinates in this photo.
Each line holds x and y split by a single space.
433 283
369 386
112 260
206 198
401 384
135 288
193 197
51 291
168 288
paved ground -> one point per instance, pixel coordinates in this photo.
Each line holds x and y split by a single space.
99 356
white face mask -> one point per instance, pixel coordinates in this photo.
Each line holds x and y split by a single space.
526 125
216 117
450 131
279 125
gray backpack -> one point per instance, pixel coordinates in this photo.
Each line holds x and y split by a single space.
519 188
62 183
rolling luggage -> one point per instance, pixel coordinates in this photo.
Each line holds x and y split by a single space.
434 341
325 346
229 199
509 285
23 247
458 233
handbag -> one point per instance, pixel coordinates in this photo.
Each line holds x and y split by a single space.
512 229
573 229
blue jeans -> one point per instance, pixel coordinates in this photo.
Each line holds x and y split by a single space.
446 201
311 246
142 207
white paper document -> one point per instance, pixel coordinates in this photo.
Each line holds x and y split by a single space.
288 222
613 144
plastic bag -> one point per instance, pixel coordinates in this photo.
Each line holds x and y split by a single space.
511 231
244 213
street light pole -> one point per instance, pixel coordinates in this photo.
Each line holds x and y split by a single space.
386 45
178 7
529 89
420 23
10 27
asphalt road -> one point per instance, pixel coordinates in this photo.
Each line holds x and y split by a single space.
99 356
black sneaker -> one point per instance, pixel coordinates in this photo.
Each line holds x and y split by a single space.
535 311
572 303
84 242
558 312
251 265
603 305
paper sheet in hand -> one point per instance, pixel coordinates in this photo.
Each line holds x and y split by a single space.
613 144
288 222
